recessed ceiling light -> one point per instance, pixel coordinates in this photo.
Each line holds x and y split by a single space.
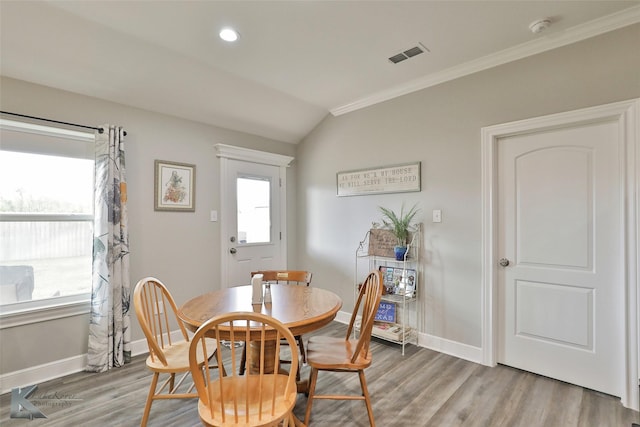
228 34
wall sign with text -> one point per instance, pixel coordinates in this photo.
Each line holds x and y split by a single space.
386 179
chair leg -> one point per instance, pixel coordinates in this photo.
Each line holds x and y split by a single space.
294 421
172 382
313 377
367 399
302 352
147 406
223 372
243 360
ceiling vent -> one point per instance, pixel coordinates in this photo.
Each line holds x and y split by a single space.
409 53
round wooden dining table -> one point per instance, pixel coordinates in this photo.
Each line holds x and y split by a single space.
302 309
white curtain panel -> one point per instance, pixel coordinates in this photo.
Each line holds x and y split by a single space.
109 328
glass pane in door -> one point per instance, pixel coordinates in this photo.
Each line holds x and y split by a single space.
254 210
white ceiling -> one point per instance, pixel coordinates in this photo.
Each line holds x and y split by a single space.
295 62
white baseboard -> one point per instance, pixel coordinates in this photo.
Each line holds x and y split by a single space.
343 317
441 345
71 365
60 368
41 373
452 348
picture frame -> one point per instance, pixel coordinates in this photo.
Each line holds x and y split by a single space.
174 186
409 281
399 280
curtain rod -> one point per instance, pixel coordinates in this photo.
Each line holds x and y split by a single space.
100 130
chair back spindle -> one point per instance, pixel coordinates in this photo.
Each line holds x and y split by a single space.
156 312
153 305
365 309
348 355
263 398
288 277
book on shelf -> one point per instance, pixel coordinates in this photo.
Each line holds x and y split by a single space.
391 331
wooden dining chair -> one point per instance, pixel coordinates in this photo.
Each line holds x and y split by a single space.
347 354
157 313
289 277
261 399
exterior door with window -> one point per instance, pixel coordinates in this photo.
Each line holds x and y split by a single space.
253 222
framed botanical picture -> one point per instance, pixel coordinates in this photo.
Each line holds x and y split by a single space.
175 187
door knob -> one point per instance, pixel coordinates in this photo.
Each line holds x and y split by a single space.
233 250
504 262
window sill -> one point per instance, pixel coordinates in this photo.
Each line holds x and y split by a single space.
12 315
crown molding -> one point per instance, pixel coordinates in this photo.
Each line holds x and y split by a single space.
575 34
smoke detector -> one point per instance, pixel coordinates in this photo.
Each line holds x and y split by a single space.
539 25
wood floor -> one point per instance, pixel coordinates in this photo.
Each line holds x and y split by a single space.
423 388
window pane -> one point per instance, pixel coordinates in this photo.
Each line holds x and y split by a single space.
254 210
44 256
36 183
44 259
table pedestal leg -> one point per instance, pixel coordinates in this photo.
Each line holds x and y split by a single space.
254 357
269 362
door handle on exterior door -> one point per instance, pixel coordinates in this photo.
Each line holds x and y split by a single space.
233 250
504 262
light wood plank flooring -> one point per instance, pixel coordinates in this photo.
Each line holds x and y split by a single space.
423 388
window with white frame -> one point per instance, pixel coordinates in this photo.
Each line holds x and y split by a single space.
46 216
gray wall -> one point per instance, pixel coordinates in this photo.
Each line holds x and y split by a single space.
440 126
181 249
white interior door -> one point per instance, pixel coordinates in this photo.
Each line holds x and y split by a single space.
561 298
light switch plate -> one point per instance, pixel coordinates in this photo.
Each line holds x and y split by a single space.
437 215
213 216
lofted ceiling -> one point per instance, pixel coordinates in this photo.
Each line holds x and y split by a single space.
295 61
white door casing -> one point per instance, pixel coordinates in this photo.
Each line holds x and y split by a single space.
234 162
623 116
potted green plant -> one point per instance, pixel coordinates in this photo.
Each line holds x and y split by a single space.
399 226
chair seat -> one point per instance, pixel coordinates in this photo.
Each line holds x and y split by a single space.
235 389
334 353
178 357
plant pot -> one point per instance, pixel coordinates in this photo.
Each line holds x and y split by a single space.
400 251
